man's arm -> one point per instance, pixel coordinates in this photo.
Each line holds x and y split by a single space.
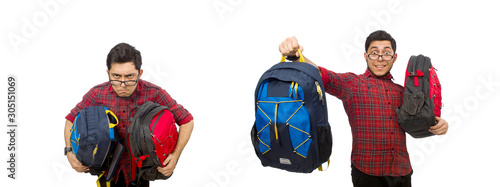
170 162
77 165
307 61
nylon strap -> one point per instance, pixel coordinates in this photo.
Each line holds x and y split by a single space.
301 58
320 168
112 125
108 183
415 76
140 159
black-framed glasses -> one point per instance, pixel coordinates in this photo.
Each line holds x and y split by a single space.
385 57
127 83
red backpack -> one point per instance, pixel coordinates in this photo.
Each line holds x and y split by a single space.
151 136
421 99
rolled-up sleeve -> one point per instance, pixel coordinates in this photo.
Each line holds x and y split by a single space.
336 84
87 100
181 115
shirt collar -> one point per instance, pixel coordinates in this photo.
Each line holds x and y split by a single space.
139 86
110 87
368 73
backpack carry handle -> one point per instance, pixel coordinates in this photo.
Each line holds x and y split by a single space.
112 123
301 58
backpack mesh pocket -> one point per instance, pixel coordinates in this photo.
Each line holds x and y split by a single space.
324 141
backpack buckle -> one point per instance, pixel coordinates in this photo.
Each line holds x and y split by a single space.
417 73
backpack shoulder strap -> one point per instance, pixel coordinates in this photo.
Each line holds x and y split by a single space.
119 148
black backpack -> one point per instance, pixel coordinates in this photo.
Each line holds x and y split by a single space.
291 129
421 99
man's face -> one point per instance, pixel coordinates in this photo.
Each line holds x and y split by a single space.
380 66
124 72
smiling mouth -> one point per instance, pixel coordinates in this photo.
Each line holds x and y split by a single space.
380 67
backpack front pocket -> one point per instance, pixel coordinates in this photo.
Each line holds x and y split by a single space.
413 103
282 124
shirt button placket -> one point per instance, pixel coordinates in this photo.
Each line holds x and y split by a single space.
124 113
392 138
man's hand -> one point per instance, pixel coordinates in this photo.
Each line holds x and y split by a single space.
440 128
290 46
171 160
75 164
170 163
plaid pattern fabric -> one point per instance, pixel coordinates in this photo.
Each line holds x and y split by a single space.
103 95
379 144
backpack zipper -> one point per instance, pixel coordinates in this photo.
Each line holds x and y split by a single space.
156 122
95 151
275 125
320 92
295 89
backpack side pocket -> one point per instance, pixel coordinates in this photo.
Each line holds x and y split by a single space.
324 134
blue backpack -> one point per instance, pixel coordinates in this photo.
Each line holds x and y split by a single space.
291 129
95 142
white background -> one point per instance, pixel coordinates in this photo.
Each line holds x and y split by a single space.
209 55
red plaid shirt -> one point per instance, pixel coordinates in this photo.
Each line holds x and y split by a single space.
103 95
379 144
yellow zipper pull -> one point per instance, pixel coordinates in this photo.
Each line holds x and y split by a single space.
295 87
95 151
320 92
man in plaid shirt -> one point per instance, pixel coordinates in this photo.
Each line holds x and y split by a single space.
123 92
379 155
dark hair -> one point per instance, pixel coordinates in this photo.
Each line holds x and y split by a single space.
124 52
377 36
